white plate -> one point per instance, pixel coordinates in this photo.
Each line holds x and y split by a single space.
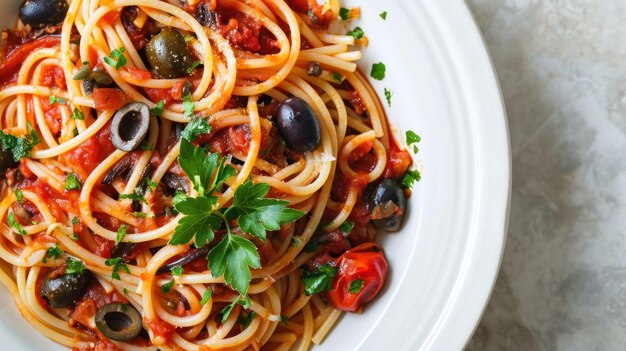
445 260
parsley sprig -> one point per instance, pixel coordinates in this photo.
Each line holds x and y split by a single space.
234 255
19 146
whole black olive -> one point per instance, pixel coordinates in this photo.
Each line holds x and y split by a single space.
130 126
168 54
64 290
42 13
298 125
118 321
387 204
6 161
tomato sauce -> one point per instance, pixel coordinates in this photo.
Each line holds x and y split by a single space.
84 158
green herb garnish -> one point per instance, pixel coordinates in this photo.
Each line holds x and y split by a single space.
118 265
356 33
116 59
356 286
72 182
74 266
320 281
378 71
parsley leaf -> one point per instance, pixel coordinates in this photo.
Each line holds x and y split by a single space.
199 220
196 126
117 58
74 266
344 13
19 146
158 109
378 71
206 296
53 253
178 197
121 233
320 281
356 286
412 138
245 302
78 114
188 104
232 258
19 195
258 214
118 264
177 271
383 15
346 227
72 182
14 224
356 33
409 178
388 95
53 99
167 287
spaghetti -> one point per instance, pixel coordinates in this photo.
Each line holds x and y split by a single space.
240 207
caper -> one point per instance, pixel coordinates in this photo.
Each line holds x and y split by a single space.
168 54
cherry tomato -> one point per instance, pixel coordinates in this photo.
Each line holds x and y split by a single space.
361 273
108 99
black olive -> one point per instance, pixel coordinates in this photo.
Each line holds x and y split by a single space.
118 321
314 69
168 54
187 88
64 290
130 126
184 260
387 204
205 16
298 125
88 86
176 182
6 161
42 13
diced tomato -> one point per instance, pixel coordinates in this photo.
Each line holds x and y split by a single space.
109 18
135 73
108 98
160 329
235 139
343 184
84 311
357 102
13 60
52 115
398 162
104 246
363 270
84 158
52 75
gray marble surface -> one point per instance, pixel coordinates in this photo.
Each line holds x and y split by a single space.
562 67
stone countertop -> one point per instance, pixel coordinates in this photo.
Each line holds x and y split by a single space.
562 68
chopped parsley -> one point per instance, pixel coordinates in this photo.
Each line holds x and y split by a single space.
412 139
346 227
409 178
320 281
284 319
118 265
74 220
167 287
206 296
356 286
53 99
53 252
74 266
134 197
140 214
116 59
383 15
19 195
78 114
245 321
14 224
356 33
378 71
311 247
158 109
19 146
151 184
72 182
188 104
195 127
388 95
193 66
177 271
337 77
344 13
145 146
121 233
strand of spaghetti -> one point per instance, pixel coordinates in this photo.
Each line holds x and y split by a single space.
305 340
332 61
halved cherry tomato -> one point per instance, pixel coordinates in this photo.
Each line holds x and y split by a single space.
361 273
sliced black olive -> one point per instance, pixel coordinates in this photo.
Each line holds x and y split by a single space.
123 250
187 88
130 126
64 290
205 16
88 86
314 69
176 182
120 168
42 13
168 54
298 125
387 204
184 260
6 161
118 321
